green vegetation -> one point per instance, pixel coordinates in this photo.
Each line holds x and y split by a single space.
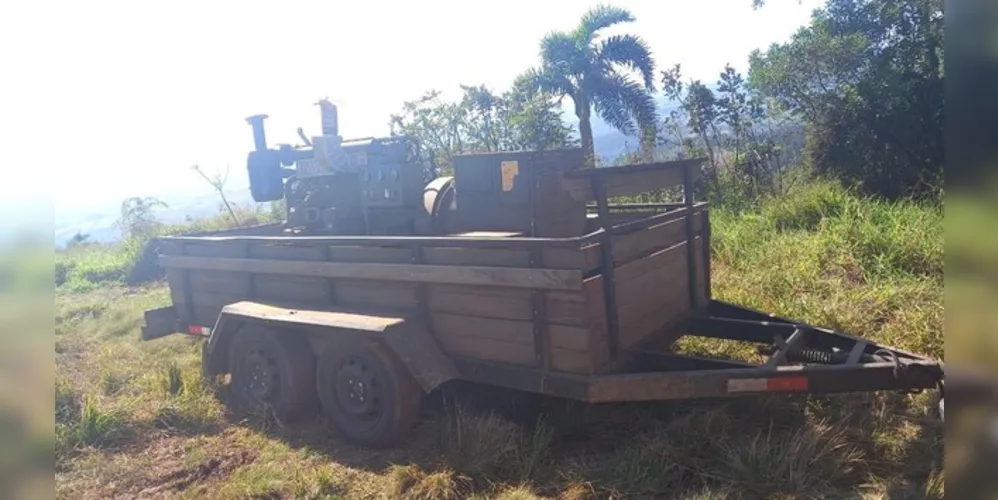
86 266
866 76
595 73
136 418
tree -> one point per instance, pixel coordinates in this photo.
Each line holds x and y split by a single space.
137 218
79 239
867 78
596 74
482 121
217 183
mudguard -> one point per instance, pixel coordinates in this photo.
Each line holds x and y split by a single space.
408 338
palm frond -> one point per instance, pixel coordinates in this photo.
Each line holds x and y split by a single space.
561 52
629 51
549 81
612 110
599 17
625 104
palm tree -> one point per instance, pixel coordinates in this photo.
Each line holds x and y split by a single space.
596 72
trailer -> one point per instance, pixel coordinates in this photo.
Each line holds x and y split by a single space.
367 325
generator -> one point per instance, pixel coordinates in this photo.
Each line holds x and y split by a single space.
382 186
334 186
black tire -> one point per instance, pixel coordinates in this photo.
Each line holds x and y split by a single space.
271 373
369 396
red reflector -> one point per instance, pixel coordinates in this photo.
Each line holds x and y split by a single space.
194 330
787 384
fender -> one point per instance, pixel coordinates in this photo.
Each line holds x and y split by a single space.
408 338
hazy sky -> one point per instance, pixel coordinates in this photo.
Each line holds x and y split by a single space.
103 100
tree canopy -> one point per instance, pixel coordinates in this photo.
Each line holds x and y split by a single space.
596 73
482 121
866 76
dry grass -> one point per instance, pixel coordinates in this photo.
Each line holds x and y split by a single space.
135 419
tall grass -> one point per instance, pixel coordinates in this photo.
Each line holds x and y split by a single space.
132 261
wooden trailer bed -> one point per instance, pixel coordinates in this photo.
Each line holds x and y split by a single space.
562 304
522 301
586 317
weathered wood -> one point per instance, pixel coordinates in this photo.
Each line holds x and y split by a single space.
303 289
366 320
652 293
401 241
512 341
548 279
565 308
376 293
218 281
691 259
369 254
552 258
630 246
629 180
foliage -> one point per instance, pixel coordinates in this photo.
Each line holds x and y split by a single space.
751 148
133 261
482 121
821 254
138 219
596 74
867 77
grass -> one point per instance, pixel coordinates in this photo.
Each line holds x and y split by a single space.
135 419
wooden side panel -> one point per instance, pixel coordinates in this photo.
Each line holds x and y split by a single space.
290 289
564 308
369 254
552 279
637 244
511 341
375 293
653 293
632 180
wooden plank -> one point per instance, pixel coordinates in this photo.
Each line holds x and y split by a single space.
521 332
565 308
507 351
552 258
293 288
547 279
217 281
628 180
388 241
355 319
369 254
303 289
487 349
208 249
258 250
652 293
627 247
375 294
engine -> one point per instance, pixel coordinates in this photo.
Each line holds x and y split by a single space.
381 186
331 186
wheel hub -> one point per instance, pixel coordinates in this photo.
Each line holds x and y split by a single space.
263 381
356 388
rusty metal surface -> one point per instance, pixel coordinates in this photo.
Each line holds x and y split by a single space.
160 323
416 348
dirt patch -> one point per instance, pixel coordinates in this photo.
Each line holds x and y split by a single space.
206 472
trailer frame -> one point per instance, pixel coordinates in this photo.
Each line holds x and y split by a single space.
800 358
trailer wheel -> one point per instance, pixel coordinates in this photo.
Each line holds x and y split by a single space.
371 398
271 372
